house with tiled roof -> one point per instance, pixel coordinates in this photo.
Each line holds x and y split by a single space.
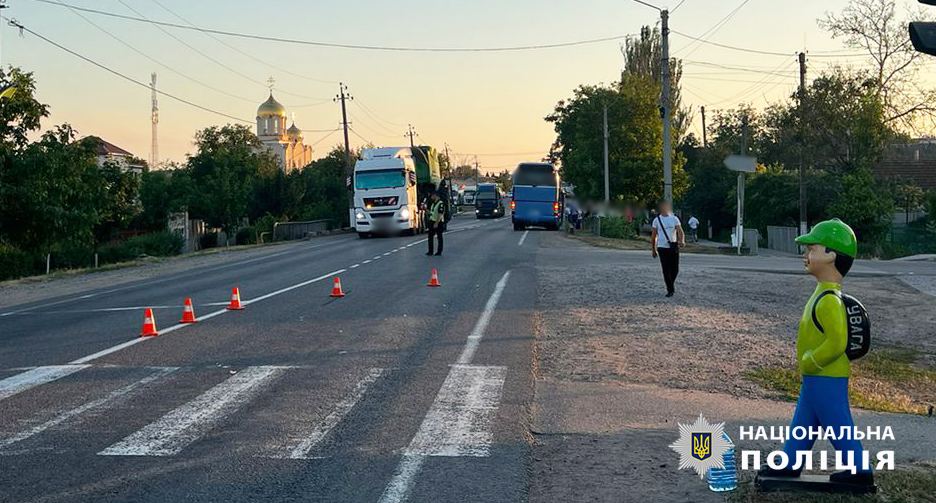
914 161
108 152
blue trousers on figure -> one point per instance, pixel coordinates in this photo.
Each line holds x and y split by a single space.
823 401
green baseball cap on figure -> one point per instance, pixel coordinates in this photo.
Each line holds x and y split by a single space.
833 234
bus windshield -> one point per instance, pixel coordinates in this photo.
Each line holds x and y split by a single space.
379 179
535 174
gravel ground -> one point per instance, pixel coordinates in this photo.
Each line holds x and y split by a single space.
603 323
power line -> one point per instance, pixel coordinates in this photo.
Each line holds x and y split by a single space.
158 62
121 75
725 46
738 68
717 26
210 58
242 52
365 140
320 140
341 45
677 6
641 2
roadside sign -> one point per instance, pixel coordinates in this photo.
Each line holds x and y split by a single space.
742 163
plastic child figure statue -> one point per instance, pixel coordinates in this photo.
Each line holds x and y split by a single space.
821 344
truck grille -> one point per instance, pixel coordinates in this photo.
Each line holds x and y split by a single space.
374 202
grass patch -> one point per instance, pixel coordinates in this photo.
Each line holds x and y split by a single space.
886 380
912 484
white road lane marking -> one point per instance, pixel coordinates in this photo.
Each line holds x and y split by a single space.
368 261
458 424
65 416
523 238
204 317
398 488
173 432
474 339
35 377
302 449
459 420
355 266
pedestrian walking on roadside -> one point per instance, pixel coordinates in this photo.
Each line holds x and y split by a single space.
667 236
436 221
693 229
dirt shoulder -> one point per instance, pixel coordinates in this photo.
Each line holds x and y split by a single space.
619 365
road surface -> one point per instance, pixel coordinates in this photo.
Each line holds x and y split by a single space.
395 392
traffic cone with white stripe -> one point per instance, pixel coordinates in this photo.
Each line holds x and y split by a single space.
434 280
149 324
235 304
336 289
188 312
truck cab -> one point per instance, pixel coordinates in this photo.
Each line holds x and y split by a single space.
385 193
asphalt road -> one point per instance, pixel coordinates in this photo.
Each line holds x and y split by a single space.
396 392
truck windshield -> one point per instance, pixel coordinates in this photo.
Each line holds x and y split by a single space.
379 179
486 195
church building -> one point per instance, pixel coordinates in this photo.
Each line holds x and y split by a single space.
285 143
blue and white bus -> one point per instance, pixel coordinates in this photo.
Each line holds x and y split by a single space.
537 196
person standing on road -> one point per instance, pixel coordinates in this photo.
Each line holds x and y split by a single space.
436 221
693 229
666 237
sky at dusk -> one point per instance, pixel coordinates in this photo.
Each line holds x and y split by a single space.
490 104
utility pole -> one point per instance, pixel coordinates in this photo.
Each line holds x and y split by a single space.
477 172
154 119
666 112
802 167
448 159
739 228
704 132
607 177
343 97
411 133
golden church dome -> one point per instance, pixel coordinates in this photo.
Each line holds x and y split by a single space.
293 132
271 108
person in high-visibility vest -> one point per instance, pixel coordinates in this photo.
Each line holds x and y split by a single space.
821 342
436 221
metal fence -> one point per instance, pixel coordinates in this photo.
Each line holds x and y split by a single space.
782 239
298 230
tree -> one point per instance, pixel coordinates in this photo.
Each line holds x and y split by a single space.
643 57
324 194
121 203
21 113
635 142
52 194
224 172
163 192
873 26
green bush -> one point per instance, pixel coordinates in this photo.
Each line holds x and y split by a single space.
15 263
246 236
158 244
618 228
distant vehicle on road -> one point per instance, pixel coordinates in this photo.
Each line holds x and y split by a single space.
468 195
389 185
489 202
537 198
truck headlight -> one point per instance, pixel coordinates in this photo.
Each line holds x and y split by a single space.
404 213
359 215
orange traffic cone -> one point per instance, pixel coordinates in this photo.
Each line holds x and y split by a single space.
149 324
235 304
434 280
336 290
188 312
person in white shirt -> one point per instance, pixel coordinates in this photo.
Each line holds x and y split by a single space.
666 238
693 229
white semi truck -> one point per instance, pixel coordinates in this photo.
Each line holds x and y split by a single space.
390 183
